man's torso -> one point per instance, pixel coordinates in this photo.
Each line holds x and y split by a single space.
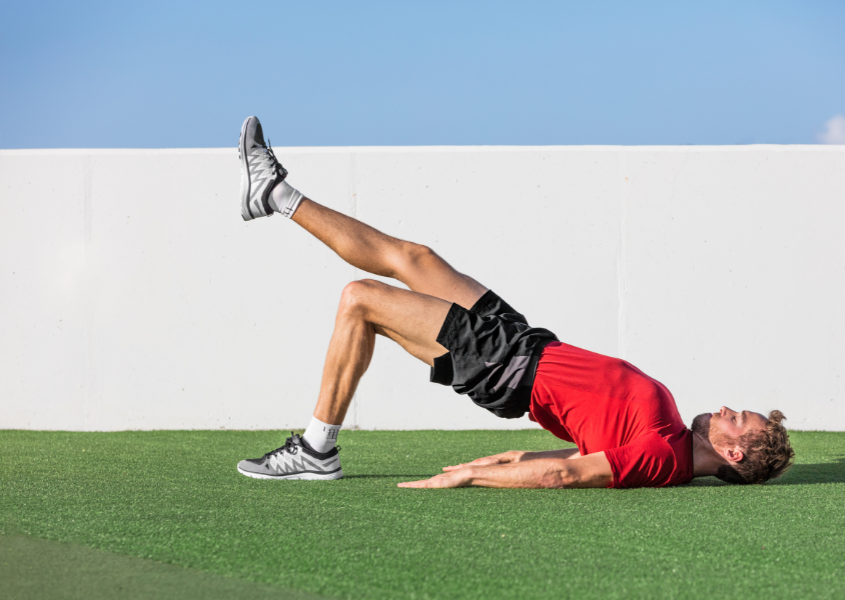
605 404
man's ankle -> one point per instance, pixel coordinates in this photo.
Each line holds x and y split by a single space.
284 199
320 436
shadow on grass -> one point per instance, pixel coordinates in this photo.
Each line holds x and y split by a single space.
832 472
801 474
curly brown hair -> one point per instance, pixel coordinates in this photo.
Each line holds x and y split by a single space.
768 454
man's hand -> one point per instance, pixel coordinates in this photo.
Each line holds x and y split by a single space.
460 478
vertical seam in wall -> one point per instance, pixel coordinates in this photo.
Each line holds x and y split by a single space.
621 261
88 375
356 274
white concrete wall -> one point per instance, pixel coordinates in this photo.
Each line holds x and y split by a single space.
134 297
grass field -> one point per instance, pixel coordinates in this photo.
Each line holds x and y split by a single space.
165 514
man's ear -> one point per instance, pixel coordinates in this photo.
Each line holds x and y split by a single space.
733 455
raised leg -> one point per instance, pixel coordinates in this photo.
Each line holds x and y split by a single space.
368 307
368 249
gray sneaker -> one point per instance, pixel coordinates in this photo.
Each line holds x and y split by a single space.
294 460
260 171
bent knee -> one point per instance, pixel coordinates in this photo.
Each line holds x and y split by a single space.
356 296
414 256
420 253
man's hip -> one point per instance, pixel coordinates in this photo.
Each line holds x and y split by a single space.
493 355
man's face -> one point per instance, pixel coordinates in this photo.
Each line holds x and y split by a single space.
724 428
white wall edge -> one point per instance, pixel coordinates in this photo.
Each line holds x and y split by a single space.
423 149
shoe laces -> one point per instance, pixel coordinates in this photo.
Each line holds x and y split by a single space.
291 446
275 166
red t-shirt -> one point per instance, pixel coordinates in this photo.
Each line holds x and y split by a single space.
605 404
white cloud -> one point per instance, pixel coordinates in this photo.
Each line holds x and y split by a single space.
835 131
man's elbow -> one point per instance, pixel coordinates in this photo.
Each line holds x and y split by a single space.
570 477
558 478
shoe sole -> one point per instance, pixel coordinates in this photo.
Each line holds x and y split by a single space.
246 212
305 476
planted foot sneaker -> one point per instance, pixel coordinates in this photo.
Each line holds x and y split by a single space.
260 171
294 460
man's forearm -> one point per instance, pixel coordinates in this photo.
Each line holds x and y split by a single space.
585 472
536 473
564 453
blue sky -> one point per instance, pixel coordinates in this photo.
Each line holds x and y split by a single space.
172 74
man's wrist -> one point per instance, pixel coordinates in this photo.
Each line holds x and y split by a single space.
518 455
468 475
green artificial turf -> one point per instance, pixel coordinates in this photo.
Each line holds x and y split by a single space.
175 497
36 568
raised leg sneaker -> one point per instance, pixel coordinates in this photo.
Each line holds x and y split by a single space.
260 171
294 460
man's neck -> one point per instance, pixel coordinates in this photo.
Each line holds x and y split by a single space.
705 460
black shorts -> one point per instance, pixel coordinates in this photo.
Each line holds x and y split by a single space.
493 355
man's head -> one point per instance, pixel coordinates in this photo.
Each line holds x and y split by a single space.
755 449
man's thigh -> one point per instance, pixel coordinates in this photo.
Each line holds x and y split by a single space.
411 319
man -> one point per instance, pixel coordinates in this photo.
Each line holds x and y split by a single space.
625 424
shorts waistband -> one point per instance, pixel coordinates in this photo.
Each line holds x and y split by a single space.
533 364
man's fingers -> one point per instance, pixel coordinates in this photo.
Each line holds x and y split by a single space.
438 481
454 467
425 483
414 484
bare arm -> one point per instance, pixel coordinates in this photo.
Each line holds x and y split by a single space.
588 471
516 456
564 453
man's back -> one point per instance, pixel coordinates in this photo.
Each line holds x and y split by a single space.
605 404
